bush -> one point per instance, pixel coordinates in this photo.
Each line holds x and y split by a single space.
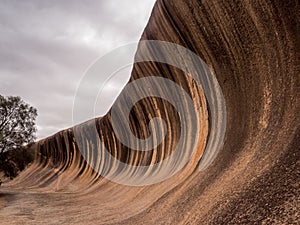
13 162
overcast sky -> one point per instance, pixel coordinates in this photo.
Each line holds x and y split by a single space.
46 46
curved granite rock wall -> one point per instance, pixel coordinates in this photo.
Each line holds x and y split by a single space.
251 47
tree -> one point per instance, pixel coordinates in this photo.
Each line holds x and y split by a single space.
17 125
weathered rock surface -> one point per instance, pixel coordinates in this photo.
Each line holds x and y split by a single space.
252 48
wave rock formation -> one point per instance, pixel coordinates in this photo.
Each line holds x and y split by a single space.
252 49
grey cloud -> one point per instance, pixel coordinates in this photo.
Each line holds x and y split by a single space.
46 46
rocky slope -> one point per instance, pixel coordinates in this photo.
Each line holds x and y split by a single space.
252 49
